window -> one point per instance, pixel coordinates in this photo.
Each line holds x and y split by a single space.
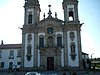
71 16
18 53
50 30
18 63
2 64
59 41
0 54
10 65
41 42
30 18
11 56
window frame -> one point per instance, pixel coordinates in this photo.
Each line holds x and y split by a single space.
41 41
50 30
59 41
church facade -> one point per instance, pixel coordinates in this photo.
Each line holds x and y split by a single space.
51 43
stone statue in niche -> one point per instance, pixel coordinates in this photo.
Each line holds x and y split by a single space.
29 38
72 36
50 41
29 49
72 48
29 52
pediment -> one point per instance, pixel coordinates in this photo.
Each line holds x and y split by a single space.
50 21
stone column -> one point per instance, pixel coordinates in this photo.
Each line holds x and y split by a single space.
42 60
35 51
59 60
65 48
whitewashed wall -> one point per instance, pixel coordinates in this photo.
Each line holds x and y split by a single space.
5 58
31 62
72 63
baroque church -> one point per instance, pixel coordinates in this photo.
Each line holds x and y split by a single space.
48 44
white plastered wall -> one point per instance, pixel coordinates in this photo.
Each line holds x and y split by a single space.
5 58
72 63
31 62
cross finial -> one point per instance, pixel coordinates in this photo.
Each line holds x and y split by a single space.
49 10
49 6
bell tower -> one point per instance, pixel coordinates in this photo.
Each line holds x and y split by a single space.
70 8
32 12
72 29
31 19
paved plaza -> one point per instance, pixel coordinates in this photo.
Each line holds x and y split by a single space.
53 73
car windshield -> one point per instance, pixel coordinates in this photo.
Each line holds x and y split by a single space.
31 73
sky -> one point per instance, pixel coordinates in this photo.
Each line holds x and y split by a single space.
12 19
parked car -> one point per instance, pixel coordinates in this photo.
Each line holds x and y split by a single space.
32 73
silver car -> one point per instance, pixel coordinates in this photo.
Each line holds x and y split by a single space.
32 73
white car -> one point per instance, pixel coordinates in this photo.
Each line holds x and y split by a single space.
32 73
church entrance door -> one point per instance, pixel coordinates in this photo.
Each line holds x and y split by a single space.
50 63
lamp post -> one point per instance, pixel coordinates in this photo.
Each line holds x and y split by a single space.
91 55
91 59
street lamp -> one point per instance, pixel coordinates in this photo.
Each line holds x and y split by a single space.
91 59
91 56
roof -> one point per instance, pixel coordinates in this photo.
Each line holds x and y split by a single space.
50 18
84 53
10 46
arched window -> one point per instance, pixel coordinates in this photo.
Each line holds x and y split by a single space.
30 18
59 41
71 16
41 41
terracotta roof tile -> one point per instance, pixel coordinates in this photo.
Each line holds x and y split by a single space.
11 46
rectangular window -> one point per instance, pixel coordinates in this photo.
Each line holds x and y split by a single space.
30 19
18 53
18 63
2 64
41 42
50 30
0 54
11 56
10 65
59 41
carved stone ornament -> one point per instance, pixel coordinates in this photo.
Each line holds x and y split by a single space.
73 56
72 36
29 38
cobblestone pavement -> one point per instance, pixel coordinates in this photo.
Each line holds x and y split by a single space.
53 73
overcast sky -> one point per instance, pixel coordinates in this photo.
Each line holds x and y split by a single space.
12 17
